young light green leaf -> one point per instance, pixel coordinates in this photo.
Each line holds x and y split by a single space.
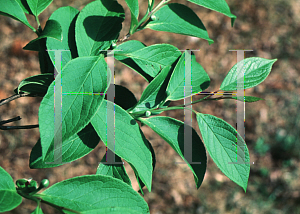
247 98
178 18
155 92
9 197
172 131
66 16
37 84
12 9
97 26
38 6
91 192
81 78
113 170
77 146
150 59
130 142
220 140
256 70
217 5
52 29
199 79
133 6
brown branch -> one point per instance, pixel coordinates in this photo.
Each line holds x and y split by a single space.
13 97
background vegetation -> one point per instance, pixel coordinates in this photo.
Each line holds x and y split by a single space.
270 28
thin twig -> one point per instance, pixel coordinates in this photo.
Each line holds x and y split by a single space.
10 120
19 127
13 97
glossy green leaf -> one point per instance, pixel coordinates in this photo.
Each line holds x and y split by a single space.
113 170
220 139
178 18
172 131
199 79
130 142
37 84
12 9
133 6
217 5
256 70
77 146
97 26
150 59
24 5
80 78
38 6
52 29
124 97
247 99
91 192
155 93
9 197
66 17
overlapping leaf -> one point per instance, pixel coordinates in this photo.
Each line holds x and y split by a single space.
91 192
172 131
178 18
255 69
199 79
9 197
77 146
66 17
12 9
97 26
130 142
38 6
149 59
222 143
80 78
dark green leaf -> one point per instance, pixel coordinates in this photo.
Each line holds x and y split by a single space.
124 97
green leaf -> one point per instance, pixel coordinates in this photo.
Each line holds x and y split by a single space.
113 170
38 6
199 79
37 84
220 140
124 97
24 5
110 210
52 29
217 5
9 197
172 131
66 17
91 192
80 78
256 70
247 99
150 59
155 93
162 105
12 9
77 146
133 6
38 210
97 26
130 142
178 18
